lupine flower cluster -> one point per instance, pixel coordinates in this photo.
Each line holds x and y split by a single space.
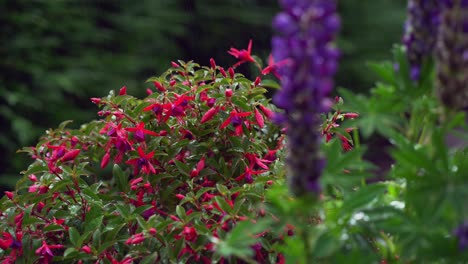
452 54
421 30
306 30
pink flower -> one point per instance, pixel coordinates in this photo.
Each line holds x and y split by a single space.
242 55
143 163
135 239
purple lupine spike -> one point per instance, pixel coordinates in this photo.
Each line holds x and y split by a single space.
306 30
420 35
461 233
452 55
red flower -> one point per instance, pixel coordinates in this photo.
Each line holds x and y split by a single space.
259 118
273 67
135 239
70 155
242 55
143 162
200 166
234 119
123 90
6 241
45 251
345 144
140 131
209 114
190 233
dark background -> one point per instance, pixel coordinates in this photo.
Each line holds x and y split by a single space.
55 55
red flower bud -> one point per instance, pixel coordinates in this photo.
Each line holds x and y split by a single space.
148 91
40 206
70 155
152 231
173 217
228 93
105 160
231 72
223 72
209 115
159 86
351 115
43 189
172 83
9 195
86 249
175 65
136 239
266 111
96 100
194 173
259 118
32 178
257 81
213 63
123 90
180 196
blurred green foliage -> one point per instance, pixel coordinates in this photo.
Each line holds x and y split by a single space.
57 54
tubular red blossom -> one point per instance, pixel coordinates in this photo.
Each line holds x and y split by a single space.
242 55
143 163
213 63
32 178
267 112
70 155
139 132
345 143
9 194
135 239
105 160
6 241
209 114
351 115
231 72
228 93
123 90
86 249
234 118
159 86
96 100
273 66
259 118
257 81
223 72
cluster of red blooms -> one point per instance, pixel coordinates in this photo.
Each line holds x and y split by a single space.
204 134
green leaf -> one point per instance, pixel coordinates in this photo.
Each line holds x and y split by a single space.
240 238
182 167
362 198
74 235
326 245
93 224
268 83
180 211
121 178
223 204
70 252
53 227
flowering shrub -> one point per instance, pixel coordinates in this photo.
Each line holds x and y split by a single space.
154 179
194 173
